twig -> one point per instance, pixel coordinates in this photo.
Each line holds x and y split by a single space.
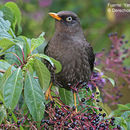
2 71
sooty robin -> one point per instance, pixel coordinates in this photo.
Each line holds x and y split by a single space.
69 46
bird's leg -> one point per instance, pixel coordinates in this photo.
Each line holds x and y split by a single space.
75 101
48 93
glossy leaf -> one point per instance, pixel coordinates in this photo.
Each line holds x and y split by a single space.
36 42
3 113
57 64
51 60
106 108
10 58
120 121
122 107
19 42
5 65
8 14
12 89
5 44
4 27
27 44
44 57
82 93
43 74
110 79
66 96
4 79
1 97
128 105
126 115
34 97
4 24
17 14
1 74
95 68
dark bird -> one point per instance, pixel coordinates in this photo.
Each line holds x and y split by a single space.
69 46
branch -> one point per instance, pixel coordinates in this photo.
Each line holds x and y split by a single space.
2 71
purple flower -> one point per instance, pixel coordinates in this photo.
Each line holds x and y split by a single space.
45 3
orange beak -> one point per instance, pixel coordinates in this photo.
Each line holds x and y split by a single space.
55 16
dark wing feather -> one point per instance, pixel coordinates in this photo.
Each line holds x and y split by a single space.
91 57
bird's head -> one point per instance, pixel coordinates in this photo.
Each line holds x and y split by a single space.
66 21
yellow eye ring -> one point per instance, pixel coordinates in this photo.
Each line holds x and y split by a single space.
69 19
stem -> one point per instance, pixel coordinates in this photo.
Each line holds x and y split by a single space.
2 71
75 101
12 33
35 77
23 55
29 53
17 57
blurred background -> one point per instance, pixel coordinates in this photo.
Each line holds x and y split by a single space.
97 20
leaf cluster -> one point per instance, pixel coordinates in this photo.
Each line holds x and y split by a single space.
23 74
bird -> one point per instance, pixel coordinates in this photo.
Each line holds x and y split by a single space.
69 46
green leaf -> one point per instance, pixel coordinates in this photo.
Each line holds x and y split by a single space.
1 74
52 61
36 42
110 79
3 81
66 96
4 27
128 105
27 43
5 44
13 88
4 24
95 68
82 93
8 14
43 74
105 108
29 65
10 58
19 42
120 121
126 115
5 65
34 97
57 64
17 14
3 114
122 107
44 57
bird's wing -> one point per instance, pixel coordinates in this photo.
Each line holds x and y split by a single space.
91 57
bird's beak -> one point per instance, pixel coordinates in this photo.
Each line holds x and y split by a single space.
55 16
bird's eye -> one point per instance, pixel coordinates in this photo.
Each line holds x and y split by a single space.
69 19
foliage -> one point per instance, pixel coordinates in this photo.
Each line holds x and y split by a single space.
123 115
113 63
93 15
24 78
18 68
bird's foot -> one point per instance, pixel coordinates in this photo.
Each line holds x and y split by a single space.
75 102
